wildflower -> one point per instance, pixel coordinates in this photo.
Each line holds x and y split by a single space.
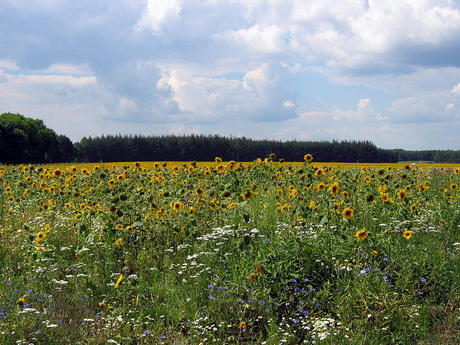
22 300
413 207
259 269
119 281
242 325
385 197
407 234
248 195
402 194
47 228
336 206
253 278
321 186
119 243
361 235
374 253
382 189
348 213
308 158
176 205
320 172
334 188
40 238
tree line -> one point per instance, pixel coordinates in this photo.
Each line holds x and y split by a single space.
119 148
27 140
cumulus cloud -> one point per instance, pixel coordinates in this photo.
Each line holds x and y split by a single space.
185 63
264 94
134 93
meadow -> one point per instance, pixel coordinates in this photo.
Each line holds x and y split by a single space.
229 253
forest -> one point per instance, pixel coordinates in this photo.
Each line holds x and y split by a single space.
27 140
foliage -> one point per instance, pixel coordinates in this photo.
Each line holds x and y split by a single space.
204 148
231 253
25 140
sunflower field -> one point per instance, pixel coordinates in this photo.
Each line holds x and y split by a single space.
227 253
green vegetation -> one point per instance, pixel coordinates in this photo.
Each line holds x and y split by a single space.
203 148
229 254
25 140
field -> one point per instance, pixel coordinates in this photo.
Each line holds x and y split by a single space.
229 253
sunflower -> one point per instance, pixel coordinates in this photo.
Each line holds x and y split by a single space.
232 205
402 194
41 236
413 207
321 186
176 205
348 213
407 234
453 186
320 172
248 195
308 158
361 235
119 243
334 188
385 197
336 206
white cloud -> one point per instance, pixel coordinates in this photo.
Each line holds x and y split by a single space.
182 63
159 15
456 89
265 94
363 112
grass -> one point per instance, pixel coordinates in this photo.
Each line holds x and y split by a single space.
229 253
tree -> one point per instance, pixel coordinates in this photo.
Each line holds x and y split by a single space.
27 140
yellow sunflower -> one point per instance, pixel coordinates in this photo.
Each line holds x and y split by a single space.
407 234
348 213
361 235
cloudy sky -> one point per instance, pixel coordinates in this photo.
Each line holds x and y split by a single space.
385 71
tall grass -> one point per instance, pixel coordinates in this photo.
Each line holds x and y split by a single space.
229 253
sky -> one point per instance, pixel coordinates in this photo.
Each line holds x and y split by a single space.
384 71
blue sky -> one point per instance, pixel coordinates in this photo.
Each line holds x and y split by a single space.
384 71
